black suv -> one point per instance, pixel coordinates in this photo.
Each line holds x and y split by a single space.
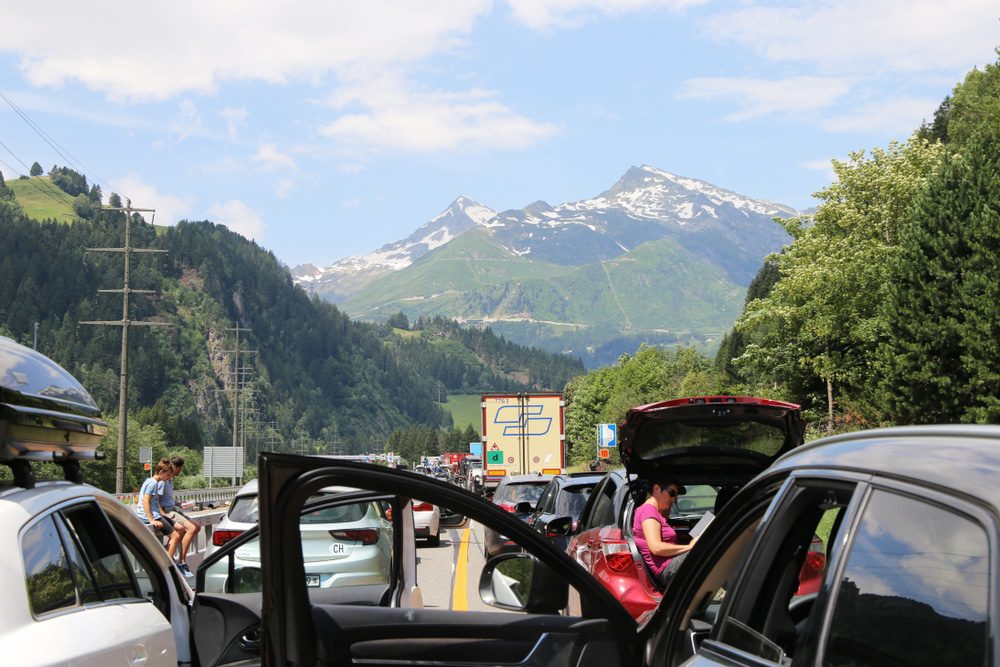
560 504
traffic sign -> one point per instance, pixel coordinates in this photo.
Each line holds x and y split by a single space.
604 453
607 435
494 457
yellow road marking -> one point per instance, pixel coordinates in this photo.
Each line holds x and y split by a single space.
460 592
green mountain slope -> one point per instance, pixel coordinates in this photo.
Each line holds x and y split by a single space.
41 199
660 292
431 284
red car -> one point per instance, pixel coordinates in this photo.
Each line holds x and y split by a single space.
713 445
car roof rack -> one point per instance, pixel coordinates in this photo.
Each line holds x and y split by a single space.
69 461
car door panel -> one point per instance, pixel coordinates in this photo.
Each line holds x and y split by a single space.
300 632
392 636
226 627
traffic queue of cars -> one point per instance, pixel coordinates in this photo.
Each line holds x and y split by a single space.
909 520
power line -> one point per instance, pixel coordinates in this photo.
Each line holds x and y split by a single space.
65 154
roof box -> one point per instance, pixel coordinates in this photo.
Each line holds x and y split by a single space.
45 414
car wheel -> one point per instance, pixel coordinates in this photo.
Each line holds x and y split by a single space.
434 540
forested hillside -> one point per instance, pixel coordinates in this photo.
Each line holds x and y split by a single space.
314 380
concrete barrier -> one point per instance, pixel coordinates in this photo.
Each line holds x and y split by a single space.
207 519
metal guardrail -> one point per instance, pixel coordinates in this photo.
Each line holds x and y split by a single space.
202 498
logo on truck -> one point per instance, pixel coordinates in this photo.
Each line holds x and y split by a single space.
522 420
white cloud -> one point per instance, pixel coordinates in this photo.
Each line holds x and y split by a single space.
353 202
285 187
169 208
390 113
542 14
234 120
239 217
194 46
903 114
873 36
273 159
825 165
757 97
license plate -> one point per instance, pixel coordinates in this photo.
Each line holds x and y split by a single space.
312 580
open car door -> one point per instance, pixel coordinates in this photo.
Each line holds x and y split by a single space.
356 548
300 629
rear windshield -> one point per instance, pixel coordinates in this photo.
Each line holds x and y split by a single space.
245 509
522 492
660 437
572 499
341 514
700 498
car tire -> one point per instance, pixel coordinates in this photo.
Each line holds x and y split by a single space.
434 540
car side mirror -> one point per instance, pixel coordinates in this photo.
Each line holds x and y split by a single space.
524 507
560 526
520 582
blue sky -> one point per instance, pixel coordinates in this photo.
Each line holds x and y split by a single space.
326 129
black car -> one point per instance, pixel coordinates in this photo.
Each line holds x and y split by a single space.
561 502
911 518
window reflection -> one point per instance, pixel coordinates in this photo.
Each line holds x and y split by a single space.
50 585
916 588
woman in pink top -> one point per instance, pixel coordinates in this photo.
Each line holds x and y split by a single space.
655 539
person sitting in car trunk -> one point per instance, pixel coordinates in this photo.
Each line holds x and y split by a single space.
655 539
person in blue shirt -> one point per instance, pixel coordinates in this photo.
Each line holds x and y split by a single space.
148 507
168 508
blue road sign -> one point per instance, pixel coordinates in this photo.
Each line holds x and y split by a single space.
607 435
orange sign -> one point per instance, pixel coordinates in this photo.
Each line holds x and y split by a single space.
147 466
605 453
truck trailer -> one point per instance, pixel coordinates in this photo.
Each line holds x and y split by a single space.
522 434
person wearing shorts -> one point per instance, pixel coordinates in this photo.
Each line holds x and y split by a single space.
148 508
165 491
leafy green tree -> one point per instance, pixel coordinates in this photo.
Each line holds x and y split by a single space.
102 473
816 332
941 356
36 169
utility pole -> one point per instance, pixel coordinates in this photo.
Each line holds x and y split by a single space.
125 323
236 395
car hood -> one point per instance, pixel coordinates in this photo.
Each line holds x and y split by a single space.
719 440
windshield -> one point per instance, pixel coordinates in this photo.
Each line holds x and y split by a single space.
659 437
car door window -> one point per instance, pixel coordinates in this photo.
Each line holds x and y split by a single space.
771 612
915 589
602 512
91 534
50 584
545 503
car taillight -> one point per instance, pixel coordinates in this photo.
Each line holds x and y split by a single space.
220 537
815 561
364 535
617 556
507 507
423 507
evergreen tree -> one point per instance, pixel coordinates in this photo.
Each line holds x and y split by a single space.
36 169
941 358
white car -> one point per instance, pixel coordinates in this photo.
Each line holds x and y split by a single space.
427 522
